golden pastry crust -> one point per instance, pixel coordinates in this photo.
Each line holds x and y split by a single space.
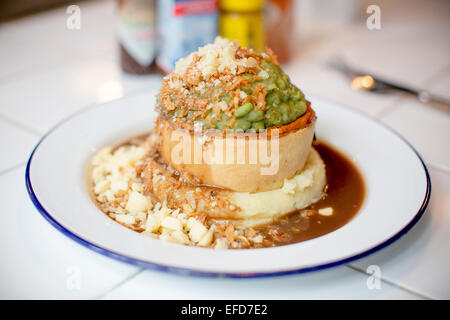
244 173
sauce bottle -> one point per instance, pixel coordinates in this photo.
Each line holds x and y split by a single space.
243 21
279 26
137 35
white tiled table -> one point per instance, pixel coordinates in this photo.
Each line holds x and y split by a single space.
48 72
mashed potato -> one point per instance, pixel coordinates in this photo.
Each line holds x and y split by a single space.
132 188
297 193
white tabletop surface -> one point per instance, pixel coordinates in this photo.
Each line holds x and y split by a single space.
48 72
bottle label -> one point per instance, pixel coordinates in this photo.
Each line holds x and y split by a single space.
137 32
182 8
183 26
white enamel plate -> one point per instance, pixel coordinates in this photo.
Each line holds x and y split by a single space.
398 190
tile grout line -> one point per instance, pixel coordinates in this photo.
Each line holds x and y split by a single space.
7 170
119 284
437 168
389 108
38 133
20 75
129 278
420 295
386 111
401 99
438 75
20 125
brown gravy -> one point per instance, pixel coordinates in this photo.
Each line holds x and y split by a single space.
345 193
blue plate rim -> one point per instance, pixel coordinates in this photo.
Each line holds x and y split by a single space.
184 271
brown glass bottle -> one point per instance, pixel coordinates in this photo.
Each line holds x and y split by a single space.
279 27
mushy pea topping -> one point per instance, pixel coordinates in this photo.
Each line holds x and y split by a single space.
227 87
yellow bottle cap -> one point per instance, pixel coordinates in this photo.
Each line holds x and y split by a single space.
241 5
246 28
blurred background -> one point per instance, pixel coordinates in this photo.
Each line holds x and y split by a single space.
403 42
385 58
158 33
